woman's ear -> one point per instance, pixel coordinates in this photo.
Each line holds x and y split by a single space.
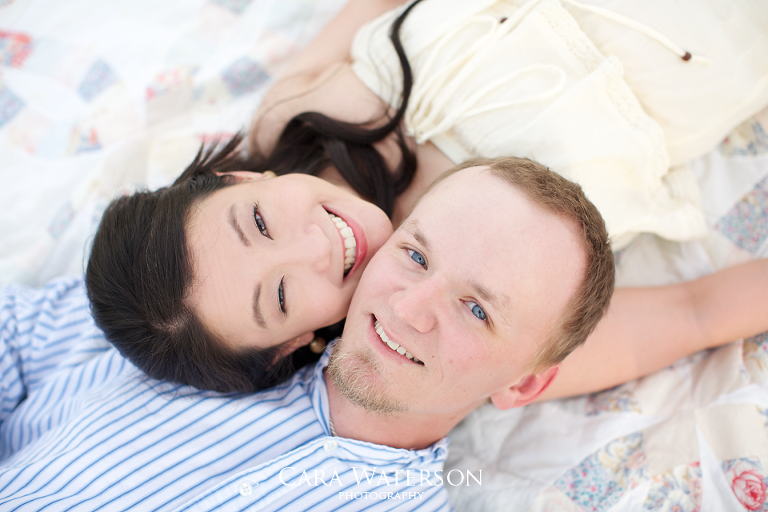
298 342
525 391
289 347
243 176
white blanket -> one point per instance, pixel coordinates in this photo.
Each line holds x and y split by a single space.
98 98
693 436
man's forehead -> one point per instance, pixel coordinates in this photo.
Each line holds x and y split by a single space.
502 244
447 184
459 194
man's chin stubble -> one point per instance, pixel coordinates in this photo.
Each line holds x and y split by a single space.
350 375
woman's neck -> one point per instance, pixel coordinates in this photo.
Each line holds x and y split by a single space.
431 164
332 175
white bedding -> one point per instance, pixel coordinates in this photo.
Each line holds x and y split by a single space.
693 436
97 98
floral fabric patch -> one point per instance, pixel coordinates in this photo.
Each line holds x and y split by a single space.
98 79
677 489
755 354
15 47
244 76
747 481
602 478
746 224
10 105
748 139
618 399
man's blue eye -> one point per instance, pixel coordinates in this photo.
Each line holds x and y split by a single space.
477 310
417 257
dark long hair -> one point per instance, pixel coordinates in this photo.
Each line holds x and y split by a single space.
138 276
312 142
140 269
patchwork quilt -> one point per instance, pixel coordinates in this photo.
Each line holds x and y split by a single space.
101 98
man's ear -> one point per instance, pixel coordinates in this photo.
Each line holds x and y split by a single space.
525 391
243 176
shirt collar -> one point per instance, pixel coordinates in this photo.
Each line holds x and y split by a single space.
319 393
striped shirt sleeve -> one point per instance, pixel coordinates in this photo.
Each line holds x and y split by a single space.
39 329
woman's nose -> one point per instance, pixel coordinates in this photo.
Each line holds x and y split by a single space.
312 248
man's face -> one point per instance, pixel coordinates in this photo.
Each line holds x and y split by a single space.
470 286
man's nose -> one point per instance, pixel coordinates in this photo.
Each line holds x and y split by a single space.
416 305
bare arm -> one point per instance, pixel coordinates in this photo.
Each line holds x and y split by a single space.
319 79
333 44
647 329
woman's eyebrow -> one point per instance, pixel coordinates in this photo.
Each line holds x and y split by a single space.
233 222
257 315
257 307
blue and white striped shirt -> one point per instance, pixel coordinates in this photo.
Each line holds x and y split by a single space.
81 428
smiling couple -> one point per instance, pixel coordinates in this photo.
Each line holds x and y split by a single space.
500 270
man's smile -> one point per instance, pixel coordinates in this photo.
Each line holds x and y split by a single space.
392 345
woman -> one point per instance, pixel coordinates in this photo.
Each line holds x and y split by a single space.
185 307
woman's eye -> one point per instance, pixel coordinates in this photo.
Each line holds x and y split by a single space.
417 257
476 310
281 296
260 222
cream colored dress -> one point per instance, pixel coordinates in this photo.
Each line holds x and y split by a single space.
525 78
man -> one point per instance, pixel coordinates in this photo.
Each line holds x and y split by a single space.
476 318
483 287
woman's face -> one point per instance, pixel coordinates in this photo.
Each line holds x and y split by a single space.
271 264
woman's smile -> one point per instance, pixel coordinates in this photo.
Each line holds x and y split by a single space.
276 258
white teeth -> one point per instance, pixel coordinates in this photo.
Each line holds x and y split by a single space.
349 241
391 344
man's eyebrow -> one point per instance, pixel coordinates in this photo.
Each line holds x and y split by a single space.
486 295
233 222
257 308
412 227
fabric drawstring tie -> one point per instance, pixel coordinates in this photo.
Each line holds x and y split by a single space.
433 90
643 29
